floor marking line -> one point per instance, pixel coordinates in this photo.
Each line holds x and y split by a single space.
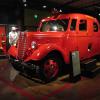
66 86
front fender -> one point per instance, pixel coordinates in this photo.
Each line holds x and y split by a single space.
13 51
43 50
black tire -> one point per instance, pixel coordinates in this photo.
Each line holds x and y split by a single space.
54 63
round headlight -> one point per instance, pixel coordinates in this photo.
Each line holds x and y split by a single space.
33 45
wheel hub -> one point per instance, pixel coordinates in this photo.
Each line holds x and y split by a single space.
51 68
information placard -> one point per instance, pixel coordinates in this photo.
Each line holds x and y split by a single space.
76 63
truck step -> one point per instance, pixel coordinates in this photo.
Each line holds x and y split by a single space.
90 69
3 56
88 65
92 73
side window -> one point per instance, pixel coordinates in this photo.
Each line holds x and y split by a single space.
83 25
95 27
73 25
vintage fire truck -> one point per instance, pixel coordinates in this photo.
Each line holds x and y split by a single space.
46 51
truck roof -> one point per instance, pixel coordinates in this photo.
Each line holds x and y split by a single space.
70 15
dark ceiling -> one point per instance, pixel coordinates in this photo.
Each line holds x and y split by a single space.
91 7
64 5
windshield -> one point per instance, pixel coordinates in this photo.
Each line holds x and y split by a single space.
54 25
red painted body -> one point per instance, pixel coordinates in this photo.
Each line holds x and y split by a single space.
86 42
46 51
3 39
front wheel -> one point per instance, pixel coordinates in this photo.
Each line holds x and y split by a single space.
50 67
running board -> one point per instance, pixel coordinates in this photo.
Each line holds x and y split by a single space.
3 56
89 68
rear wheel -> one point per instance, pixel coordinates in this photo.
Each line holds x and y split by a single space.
50 67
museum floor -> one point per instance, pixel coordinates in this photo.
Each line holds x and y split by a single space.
23 88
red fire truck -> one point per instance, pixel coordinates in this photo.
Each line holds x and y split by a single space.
46 51
2 39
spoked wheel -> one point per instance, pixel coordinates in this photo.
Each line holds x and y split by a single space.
50 68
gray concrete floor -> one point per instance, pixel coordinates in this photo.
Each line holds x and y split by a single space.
22 88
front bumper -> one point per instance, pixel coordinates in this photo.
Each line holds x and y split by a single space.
30 68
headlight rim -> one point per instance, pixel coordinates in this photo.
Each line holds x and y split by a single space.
33 45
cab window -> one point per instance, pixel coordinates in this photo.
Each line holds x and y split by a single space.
73 25
83 25
95 27
54 25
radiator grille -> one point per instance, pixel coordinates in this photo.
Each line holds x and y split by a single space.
22 45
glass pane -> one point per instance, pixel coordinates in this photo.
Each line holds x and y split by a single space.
54 25
95 27
83 25
73 24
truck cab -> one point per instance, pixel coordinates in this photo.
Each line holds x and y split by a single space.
48 49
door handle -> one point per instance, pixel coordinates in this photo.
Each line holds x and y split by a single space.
90 47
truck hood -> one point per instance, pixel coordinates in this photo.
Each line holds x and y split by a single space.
45 37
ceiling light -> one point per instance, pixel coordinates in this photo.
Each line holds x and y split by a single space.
44 6
25 5
24 1
99 14
60 10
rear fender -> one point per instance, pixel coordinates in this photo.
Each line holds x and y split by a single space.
43 50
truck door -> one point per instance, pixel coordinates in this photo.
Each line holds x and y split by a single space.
87 38
96 38
70 39
82 38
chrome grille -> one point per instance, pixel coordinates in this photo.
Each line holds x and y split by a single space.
22 45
